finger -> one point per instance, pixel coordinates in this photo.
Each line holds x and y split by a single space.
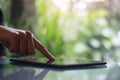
30 44
13 43
43 50
10 46
23 44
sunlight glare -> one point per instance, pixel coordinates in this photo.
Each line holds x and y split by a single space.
80 5
94 0
63 5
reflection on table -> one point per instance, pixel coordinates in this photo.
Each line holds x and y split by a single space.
20 73
15 72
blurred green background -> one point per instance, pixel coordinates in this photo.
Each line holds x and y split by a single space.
84 29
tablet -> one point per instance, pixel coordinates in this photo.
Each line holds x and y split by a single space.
64 64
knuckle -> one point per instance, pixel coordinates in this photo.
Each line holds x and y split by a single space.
22 34
29 33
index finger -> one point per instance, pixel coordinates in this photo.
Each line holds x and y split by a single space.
43 50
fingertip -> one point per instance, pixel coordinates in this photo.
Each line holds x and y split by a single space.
52 59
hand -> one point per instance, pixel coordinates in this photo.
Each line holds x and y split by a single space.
22 42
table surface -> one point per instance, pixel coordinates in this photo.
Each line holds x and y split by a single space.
15 72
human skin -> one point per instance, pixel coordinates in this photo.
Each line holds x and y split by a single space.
22 42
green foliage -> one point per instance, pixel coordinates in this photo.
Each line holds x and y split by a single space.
5 5
48 30
83 34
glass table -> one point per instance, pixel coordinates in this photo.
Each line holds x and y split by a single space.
15 72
